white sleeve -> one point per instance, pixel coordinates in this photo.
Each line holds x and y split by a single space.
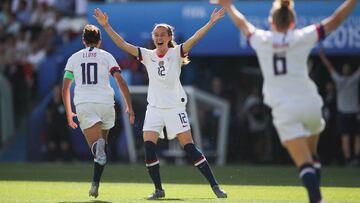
144 55
258 38
69 64
180 52
311 34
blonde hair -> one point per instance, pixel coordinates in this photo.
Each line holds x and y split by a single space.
283 14
172 43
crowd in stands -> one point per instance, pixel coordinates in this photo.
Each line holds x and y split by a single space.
30 30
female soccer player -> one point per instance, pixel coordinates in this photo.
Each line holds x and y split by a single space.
288 90
93 97
166 96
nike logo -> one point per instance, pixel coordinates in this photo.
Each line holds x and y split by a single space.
185 126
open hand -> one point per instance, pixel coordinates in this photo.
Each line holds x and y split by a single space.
131 116
101 17
70 119
216 15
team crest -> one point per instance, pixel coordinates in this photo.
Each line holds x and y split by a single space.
161 63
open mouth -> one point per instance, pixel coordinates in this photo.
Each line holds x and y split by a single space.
160 43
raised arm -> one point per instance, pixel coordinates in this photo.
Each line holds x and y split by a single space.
326 61
332 22
67 103
103 20
238 18
215 16
126 95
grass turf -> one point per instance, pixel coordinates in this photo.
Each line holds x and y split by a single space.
130 183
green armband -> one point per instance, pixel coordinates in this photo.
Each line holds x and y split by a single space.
69 75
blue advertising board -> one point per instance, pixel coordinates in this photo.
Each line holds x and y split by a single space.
135 21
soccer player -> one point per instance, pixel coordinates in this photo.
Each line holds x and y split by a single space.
288 89
347 87
166 96
93 97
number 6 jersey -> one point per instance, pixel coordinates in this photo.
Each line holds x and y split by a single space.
283 61
91 68
165 89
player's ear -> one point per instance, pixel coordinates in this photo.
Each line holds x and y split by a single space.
292 25
98 44
84 42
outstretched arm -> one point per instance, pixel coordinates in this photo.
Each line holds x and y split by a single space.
215 16
103 20
238 18
66 100
126 95
340 14
326 61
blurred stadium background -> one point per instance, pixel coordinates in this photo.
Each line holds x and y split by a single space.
230 122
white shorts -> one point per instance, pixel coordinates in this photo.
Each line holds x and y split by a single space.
175 120
297 119
89 114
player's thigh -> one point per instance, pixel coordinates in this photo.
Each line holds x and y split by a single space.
93 133
176 121
150 136
298 150
185 138
154 122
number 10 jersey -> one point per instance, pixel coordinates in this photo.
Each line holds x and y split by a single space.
91 68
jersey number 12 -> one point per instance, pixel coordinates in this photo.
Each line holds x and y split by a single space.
89 73
279 61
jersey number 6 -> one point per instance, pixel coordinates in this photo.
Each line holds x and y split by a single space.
279 61
89 73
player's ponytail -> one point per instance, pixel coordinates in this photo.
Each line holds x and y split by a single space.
283 14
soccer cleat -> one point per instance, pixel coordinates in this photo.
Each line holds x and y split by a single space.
94 190
219 192
157 194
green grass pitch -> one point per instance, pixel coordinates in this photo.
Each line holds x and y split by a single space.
130 183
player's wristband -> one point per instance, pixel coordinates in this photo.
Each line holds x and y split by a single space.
69 75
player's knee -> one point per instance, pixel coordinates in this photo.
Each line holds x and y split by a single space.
150 154
98 149
194 154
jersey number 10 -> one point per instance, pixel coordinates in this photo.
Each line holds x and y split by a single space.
279 61
89 73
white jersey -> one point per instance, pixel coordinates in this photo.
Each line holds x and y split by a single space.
283 61
165 89
91 68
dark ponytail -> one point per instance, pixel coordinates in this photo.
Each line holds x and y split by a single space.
283 14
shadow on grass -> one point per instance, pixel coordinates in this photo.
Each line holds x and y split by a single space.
230 175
